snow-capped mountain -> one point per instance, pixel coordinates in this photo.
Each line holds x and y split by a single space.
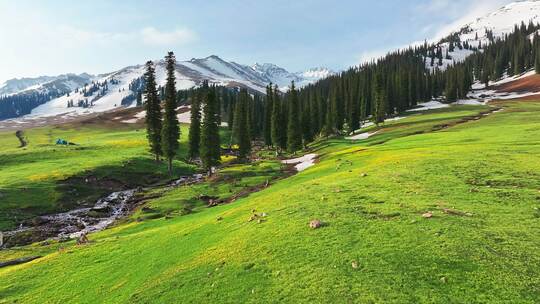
62 83
497 23
503 20
86 93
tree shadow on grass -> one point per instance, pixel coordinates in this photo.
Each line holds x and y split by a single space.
21 202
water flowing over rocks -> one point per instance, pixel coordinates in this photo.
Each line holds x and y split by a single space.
82 221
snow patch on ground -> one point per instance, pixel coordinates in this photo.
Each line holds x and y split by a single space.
302 163
430 105
489 95
395 118
184 117
362 136
140 115
505 79
472 102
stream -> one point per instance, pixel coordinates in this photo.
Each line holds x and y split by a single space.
74 223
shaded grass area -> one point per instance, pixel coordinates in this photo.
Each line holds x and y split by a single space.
224 187
479 180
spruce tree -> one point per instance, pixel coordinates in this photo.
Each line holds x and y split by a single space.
329 119
153 111
210 141
294 135
277 125
354 115
170 133
195 126
307 129
268 110
379 100
451 88
241 126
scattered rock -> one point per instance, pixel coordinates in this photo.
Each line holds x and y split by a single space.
354 264
428 214
102 209
37 221
257 216
83 239
443 279
363 174
314 224
219 218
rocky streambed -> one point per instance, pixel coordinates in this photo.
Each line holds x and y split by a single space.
79 222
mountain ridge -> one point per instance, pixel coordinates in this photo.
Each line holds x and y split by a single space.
189 73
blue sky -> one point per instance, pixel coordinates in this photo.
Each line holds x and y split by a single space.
54 37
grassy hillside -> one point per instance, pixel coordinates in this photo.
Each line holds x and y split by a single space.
479 179
45 178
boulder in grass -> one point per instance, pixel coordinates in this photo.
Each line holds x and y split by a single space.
314 224
83 239
427 215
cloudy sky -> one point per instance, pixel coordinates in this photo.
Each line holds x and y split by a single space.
55 37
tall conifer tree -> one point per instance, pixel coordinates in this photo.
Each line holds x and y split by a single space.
379 100
210 141
195 126
170 133
153 111
268 110
277 123
294 135
241 125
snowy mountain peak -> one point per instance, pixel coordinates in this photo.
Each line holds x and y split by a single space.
503 20
62 83
317 73
483 30
84 93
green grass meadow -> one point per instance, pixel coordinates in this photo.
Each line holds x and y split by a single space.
480 180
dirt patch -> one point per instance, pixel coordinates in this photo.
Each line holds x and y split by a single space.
111 117
465 120
523 85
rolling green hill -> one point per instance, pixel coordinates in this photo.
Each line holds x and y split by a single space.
439 207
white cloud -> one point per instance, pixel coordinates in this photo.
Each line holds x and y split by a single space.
152 36
81 36
436 5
